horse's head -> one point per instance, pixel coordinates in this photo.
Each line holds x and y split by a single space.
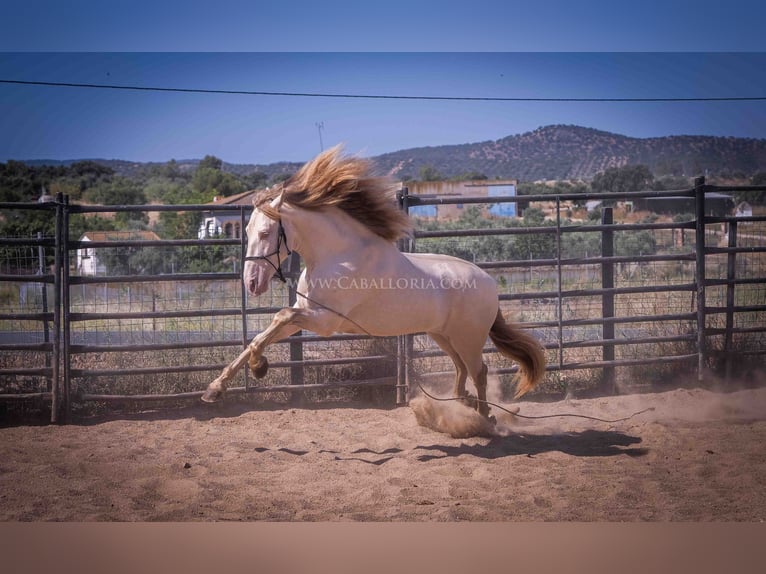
266 247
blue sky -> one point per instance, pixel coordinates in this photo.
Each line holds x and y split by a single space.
598 50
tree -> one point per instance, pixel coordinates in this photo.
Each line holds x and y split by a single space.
210 162
755 197
635 243
121 191
430 173
536 246
621 179
209 182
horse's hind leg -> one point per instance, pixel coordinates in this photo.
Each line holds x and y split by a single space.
480 380
471 356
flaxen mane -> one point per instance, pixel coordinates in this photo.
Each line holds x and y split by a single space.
334 180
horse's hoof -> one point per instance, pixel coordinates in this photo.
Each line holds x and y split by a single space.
211 396
260 368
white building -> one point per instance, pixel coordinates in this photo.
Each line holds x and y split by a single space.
744 209
225 223
87 260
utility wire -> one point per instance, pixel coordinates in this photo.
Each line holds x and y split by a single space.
369 96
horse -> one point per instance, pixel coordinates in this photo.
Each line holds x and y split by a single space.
344 222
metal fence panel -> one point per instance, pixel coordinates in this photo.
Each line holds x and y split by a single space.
695 300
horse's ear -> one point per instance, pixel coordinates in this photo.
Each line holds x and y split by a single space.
277 201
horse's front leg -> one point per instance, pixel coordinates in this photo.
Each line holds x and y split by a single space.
285 323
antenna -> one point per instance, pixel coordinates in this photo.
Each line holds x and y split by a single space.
320 127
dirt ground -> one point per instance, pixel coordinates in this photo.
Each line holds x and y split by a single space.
697 456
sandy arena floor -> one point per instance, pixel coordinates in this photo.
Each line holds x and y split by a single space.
698 456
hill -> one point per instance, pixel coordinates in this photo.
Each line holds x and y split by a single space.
547 153
573 152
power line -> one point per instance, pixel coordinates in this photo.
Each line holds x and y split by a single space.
370 96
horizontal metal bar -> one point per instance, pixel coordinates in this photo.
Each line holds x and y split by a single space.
736 309
26 316
28 372
82 373
90 280
735 219
431 353
77 317
386 381
578 366
598 292
625 362
611 320
27 242
741 281
73 245
734 352
79 208
83 349
550 229
617 227
34 347
631 341
27 278
712 331
416 200
746 249
525 263
44 396
29 205
220 366
484 232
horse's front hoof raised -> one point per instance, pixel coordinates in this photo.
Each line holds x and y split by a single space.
259 367
211 396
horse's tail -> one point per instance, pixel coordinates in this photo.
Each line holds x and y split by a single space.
523 348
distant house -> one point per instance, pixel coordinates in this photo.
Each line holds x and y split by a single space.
593 204
225 223
456 189
744 209
87 259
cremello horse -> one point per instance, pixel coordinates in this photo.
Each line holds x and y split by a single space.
344 223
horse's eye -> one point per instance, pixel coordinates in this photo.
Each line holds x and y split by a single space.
263 234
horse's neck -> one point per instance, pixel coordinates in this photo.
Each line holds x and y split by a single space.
325 234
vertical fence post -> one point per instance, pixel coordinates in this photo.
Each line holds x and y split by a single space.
607 299
242 289
66 309
699 203
56 386
560 299
403 342
731 275
296 347
46 306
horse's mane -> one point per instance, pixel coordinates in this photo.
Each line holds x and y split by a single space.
334 180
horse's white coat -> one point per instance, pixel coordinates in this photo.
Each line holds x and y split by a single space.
355 281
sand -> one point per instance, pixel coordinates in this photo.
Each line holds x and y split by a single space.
698 456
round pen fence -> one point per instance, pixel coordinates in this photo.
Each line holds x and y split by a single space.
138 318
